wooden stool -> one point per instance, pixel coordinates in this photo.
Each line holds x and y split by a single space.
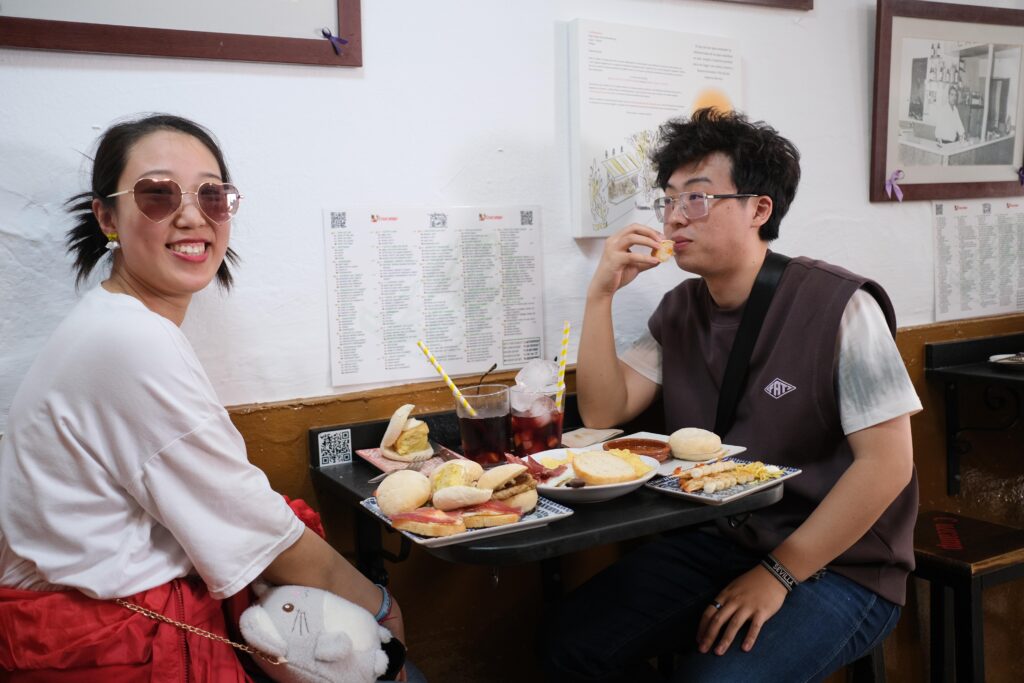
964 556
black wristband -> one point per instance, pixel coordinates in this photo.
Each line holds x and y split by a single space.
779 571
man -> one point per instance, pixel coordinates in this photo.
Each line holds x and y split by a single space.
948 126
826 392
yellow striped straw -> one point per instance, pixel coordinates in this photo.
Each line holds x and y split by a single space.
561 365
447 380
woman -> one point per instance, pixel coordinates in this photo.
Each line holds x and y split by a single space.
121 476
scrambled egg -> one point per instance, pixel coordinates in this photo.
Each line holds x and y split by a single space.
413 437
551 462
639 468
449 474
760 471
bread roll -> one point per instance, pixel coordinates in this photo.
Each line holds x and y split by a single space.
691 443
405 438
666 250
395 426
452 497
496 477
402 491
598 468
488 515
525 502
484 520
429 522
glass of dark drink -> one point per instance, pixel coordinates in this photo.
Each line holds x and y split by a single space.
485 436
536 421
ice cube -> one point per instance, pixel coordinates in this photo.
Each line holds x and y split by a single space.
538 375
521 400
541 410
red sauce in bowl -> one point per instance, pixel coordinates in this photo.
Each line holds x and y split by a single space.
650 447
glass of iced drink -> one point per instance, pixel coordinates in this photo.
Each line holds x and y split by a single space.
485 437
536 421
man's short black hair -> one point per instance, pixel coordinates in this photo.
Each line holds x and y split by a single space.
763 162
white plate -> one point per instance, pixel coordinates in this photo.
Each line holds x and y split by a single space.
670 485
545 512
1009 361
588 494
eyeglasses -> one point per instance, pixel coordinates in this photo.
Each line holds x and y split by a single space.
694 205
157 199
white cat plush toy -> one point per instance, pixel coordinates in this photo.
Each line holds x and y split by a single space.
324 637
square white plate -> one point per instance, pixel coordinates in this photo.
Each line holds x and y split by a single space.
546 511
670 485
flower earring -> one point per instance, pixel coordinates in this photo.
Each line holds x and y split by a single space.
112 242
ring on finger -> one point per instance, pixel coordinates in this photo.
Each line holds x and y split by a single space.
716 604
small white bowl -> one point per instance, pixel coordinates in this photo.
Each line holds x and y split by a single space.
588 494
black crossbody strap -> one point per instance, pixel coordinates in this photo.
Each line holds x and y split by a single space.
750 326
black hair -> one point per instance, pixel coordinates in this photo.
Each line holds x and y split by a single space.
763 162
86 241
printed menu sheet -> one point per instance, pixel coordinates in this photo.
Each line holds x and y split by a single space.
466 281
979 257
625 81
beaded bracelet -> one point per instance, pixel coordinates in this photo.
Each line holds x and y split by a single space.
779 571
385 605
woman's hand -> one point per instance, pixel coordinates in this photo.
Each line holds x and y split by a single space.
755 597
619 266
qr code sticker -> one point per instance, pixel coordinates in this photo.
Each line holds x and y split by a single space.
335 446
526 218
439 220
338 219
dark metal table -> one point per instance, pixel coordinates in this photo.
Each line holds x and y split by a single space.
957 362
636 514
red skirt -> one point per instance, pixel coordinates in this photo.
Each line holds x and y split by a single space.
68 637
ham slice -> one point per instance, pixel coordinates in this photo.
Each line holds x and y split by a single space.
537 470
426 516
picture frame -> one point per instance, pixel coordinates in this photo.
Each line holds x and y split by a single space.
786 4
92 31
948 101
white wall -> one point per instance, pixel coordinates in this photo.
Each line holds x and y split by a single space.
458 102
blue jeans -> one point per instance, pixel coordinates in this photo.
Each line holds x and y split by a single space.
650 603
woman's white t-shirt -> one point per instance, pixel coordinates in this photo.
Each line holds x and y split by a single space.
121 470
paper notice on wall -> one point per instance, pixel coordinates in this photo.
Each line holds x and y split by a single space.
625 81
979 257
466 281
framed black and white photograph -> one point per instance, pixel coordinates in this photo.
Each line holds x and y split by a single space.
316 32
948 101
786 4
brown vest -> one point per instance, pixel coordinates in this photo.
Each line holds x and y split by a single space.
788 413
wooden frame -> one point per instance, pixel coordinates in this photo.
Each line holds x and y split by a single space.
931 56
44 34
788 4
